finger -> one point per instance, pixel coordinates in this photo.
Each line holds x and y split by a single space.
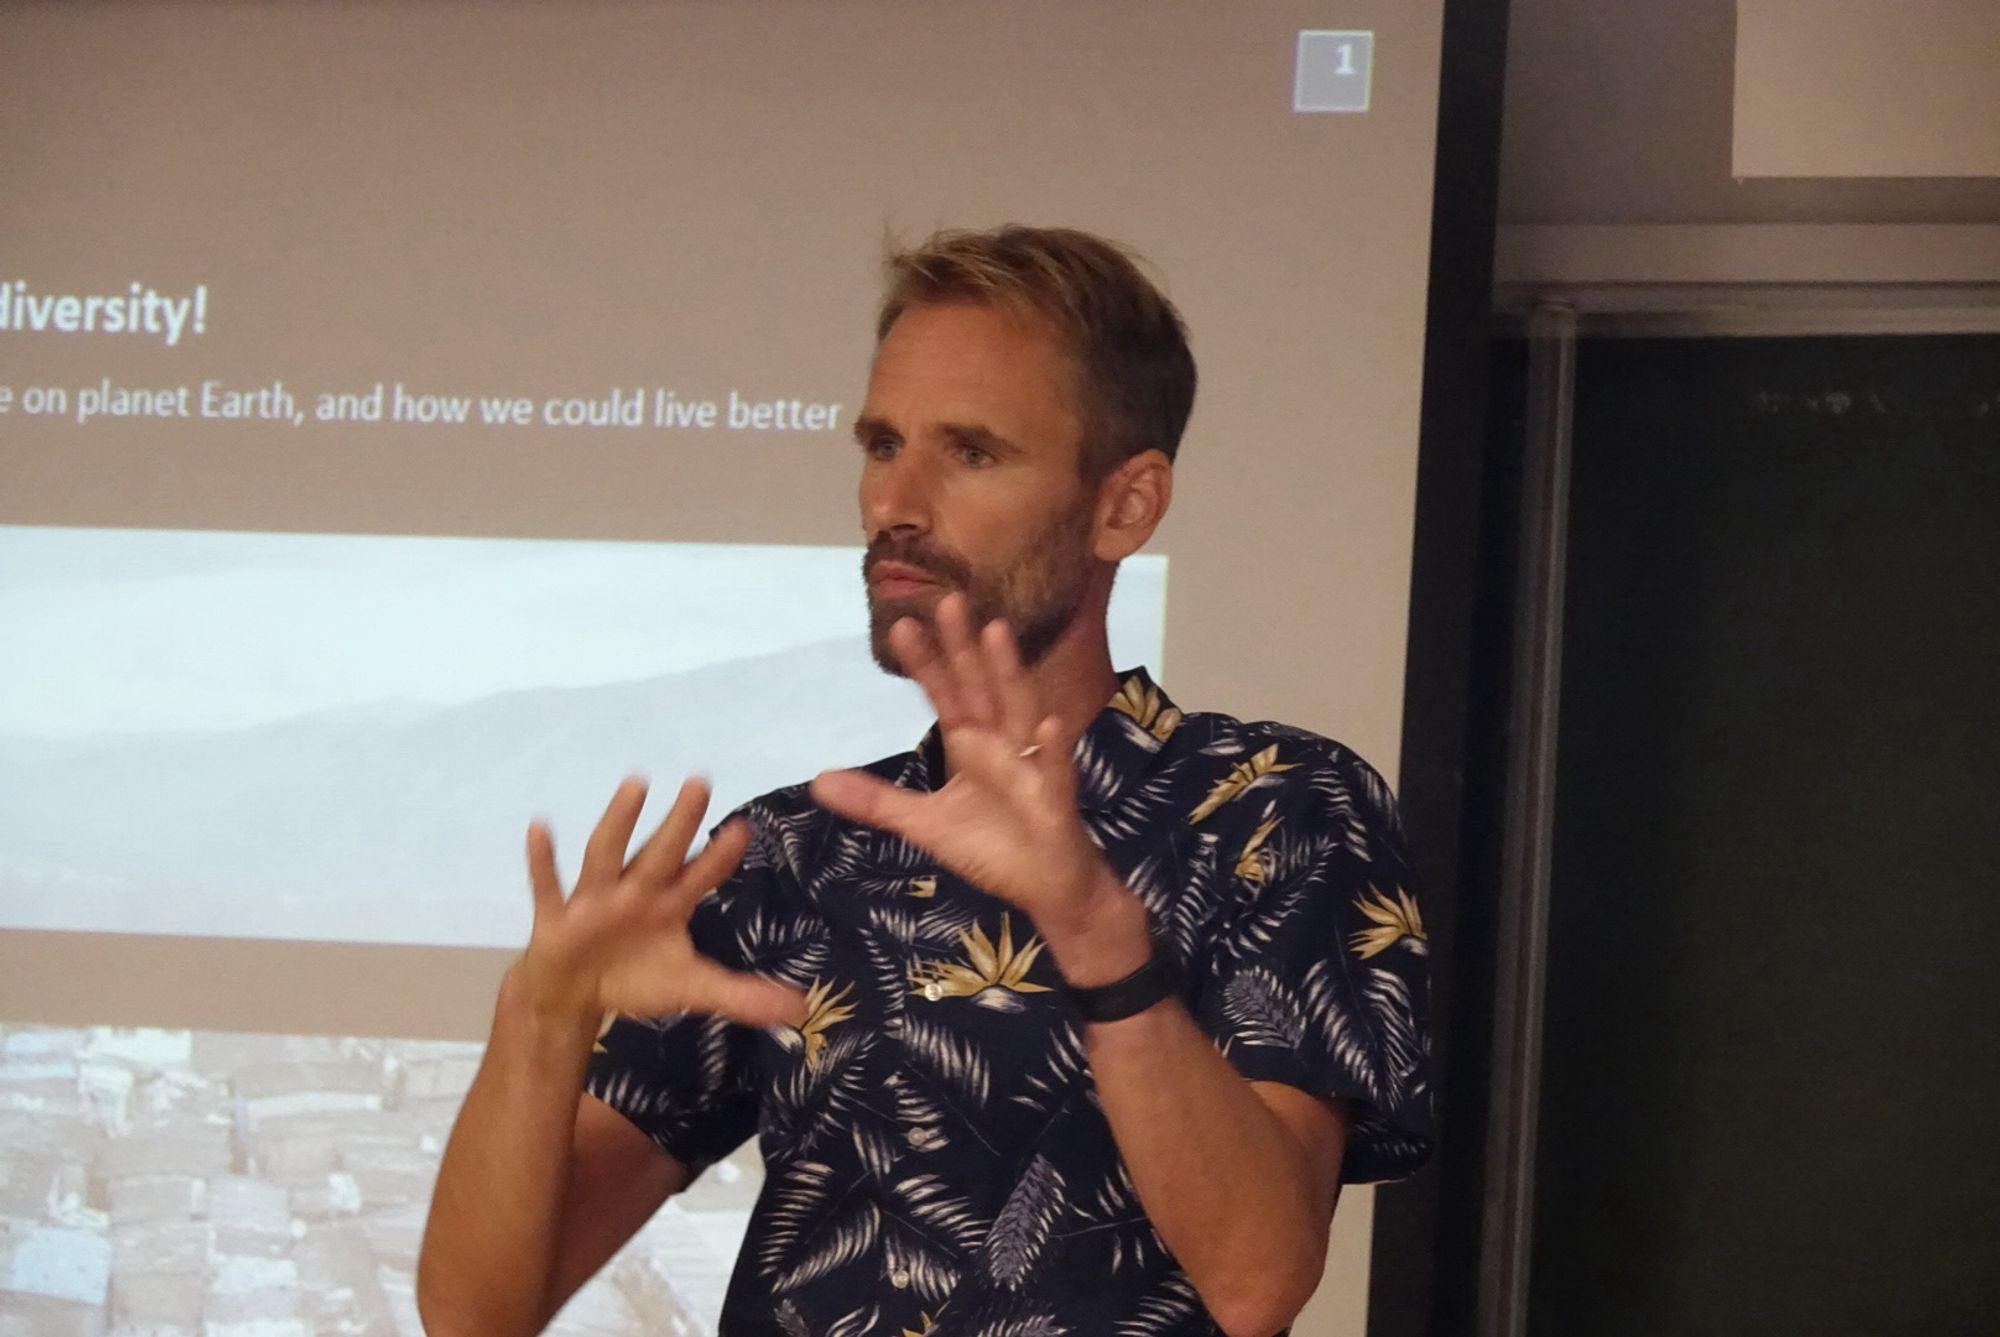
960 644
542 879
1058 762
710 868
1050 754
917 651
604 856
1012 690
666 849
861 797
750 1000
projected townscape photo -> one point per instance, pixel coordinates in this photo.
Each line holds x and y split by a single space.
386 714
175 1183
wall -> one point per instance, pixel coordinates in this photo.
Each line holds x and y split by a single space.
1616 169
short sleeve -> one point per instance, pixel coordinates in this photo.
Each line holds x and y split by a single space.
1317 976
689 1082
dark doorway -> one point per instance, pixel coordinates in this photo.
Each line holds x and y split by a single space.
1772 1075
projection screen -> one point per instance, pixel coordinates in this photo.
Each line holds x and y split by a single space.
415 417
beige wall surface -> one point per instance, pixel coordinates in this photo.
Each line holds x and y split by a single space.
1867 88
1621 189
518 200
1622 114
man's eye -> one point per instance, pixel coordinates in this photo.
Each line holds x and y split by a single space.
880 447
974 456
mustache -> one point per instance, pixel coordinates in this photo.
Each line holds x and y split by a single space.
943 567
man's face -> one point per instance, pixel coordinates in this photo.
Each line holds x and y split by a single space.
969 478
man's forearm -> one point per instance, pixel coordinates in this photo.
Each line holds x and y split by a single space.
489 1249
1242 1202
1223 1179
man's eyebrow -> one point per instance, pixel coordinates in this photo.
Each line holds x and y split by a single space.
868 429
982 438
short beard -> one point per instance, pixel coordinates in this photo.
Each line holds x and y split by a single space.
1040 595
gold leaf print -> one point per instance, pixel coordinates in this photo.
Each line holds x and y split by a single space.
924 1331
1254 864
980 953
1143 704
1394 921
824 1011
1241 776
991 974
923 888
602 1027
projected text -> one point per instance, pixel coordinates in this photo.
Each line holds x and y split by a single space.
396 403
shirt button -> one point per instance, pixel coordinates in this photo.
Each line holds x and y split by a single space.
900 1279
933 991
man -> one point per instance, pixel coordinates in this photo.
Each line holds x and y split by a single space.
1071 1021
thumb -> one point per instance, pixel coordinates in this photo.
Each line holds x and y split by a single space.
749 1000
861 797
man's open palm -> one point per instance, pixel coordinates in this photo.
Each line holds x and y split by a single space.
1006 820
619 942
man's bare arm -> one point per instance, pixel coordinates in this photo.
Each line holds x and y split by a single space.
540 1185
538 1188
1239 1178
1232 1173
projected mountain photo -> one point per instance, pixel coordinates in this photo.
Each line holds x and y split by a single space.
372 826
214 742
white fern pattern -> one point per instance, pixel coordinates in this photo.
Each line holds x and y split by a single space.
1029 1325
840 1242
1264 1009
930 1271
1167 1311
1021 1231
931 1202
951 1059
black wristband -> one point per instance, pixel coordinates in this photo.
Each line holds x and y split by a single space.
1159 978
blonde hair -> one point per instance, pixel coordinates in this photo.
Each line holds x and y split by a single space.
1132 376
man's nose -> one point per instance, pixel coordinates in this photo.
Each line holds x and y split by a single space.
896 495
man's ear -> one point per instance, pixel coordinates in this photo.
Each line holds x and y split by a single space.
1131 502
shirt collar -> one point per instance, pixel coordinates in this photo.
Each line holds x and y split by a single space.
1118 748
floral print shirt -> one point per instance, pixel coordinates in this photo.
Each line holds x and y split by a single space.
937 1164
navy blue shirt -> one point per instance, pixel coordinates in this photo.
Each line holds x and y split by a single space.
936 1161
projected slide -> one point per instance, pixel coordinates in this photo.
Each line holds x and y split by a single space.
339 737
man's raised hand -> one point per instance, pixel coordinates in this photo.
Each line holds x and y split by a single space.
1007 819
619 941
